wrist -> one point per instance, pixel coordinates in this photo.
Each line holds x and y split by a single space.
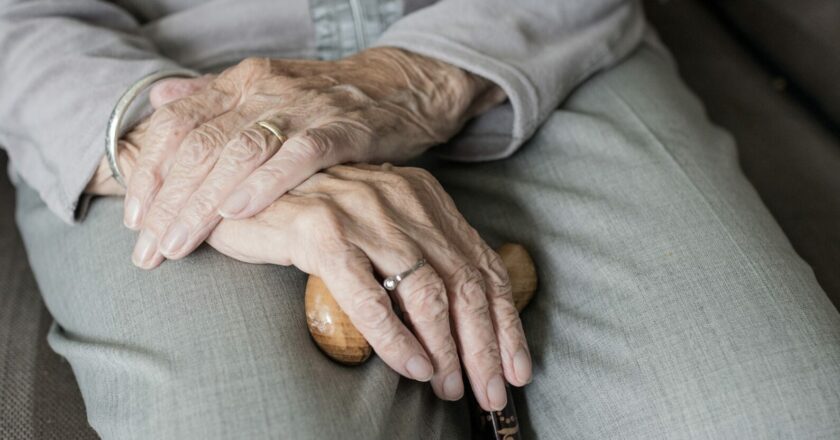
459 94
103 183
443 94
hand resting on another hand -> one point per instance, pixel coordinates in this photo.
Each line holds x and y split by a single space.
206 157
346 224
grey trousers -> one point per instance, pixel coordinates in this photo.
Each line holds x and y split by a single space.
671 305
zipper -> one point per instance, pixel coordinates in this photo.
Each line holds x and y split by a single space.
357 10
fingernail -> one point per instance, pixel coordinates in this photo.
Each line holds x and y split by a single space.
522 366
145 249
132 212
419 368
453 386
496 393
235 203
174 238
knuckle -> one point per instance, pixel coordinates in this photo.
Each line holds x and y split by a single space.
449 354
429 303
172 121
372 310
393 338
194 153
163 208
467 275
487 355
269 174
351 94
199 145
469 290
247 146
507 318
499 274
202 206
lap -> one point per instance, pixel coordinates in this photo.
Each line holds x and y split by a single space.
671 305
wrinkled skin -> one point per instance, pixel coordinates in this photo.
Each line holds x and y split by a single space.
207 159
335 224
457 308
347 223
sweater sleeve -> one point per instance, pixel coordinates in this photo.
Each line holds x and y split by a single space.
64 66
537 51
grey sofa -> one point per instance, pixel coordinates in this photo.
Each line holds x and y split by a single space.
765 70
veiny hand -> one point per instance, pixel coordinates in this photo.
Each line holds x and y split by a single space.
349 222
206 158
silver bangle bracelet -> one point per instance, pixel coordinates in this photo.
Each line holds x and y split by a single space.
113 133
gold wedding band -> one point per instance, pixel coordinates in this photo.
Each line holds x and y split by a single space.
275 130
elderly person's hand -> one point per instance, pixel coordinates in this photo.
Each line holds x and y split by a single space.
349 222
163 92
207 157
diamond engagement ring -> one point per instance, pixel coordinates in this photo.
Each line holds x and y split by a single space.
391 282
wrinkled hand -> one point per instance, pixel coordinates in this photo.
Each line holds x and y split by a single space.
163 92
346 223
207 158
349 222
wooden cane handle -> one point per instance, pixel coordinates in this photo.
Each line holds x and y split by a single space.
333 332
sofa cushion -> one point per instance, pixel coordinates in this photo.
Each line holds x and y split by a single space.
791 157
801 38
39 398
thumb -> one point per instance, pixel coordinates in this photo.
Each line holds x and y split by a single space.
171 89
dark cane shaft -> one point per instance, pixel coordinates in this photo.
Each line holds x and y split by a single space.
495 425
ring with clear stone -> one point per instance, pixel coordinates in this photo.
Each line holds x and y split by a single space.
391 282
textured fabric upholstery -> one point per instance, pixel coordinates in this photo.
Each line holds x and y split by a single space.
39 398
789 154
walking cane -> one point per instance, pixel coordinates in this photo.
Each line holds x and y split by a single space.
338 338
